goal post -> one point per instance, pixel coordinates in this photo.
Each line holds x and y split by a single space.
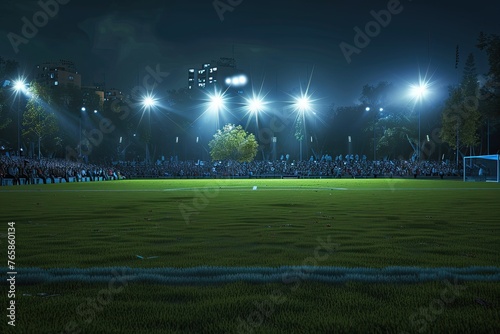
484 168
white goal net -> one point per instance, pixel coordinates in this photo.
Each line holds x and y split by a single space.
482 168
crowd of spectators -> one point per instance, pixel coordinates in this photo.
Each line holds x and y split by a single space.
17 168
348 166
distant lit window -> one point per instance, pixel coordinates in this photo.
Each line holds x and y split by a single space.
52 75
71 77
56 83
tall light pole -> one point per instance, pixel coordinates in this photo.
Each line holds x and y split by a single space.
418 92
274 148
19 87
374 121
302 104
216 103
83 109
254 106
148 102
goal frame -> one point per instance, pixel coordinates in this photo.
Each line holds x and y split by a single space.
494 157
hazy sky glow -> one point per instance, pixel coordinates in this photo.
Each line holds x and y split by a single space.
280 42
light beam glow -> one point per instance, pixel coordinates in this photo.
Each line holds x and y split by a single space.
217 102
255 104
148 101
20 85
303 103
419 91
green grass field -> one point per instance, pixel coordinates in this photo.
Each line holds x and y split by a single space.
309 225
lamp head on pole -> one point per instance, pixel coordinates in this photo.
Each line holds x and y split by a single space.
20 85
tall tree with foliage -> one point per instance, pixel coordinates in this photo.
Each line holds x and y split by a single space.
40 122
491 44
461 116
395 130
233 143
490 92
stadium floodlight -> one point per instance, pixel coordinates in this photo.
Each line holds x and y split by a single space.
148 101
217 101
214 103
418 92
302 103
255 104
236 80
242 79
20 85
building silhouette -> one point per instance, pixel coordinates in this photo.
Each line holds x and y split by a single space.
58 73
222 74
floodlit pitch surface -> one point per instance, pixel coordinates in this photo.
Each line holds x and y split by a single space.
261 224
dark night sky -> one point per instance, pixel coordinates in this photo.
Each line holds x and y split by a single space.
280 41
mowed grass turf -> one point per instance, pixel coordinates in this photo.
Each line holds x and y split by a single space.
187 223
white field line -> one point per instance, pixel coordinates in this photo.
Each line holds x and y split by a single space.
235 188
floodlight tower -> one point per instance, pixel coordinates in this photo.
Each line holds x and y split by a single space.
148 102
302 104
418 92
374 120
19 87
255 105
215 104
83 109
